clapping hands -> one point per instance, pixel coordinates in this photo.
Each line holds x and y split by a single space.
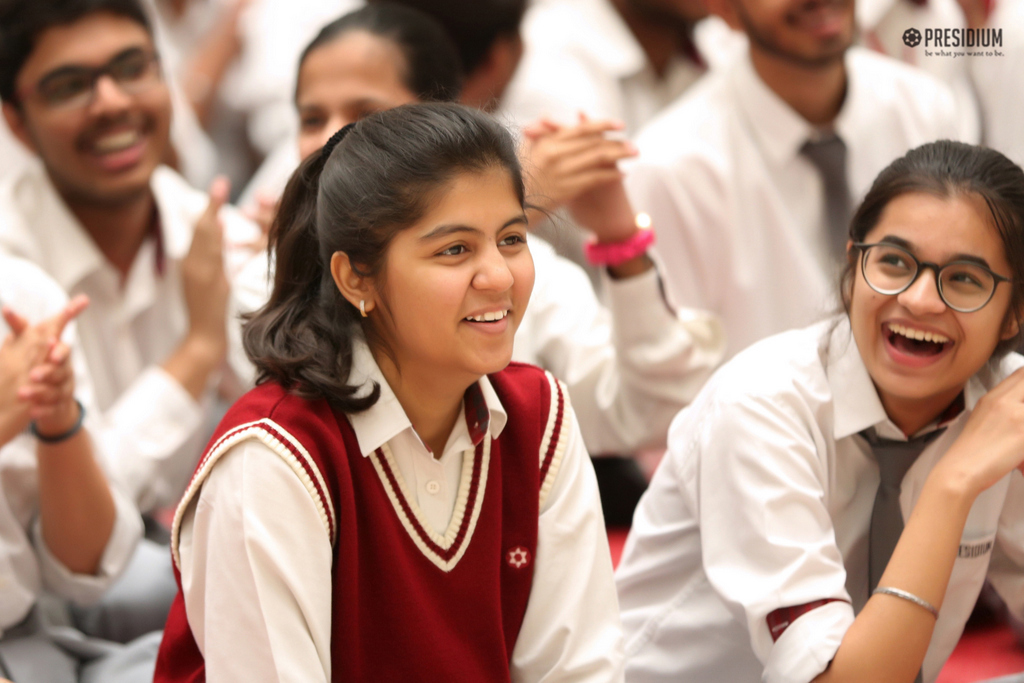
36 378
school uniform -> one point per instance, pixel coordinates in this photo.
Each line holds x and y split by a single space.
36 645
740 213
630 364
418 547
156 429
764 502
880 28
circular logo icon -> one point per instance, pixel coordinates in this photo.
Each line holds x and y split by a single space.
911 37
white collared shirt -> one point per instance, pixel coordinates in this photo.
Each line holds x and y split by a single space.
764 501
880 27
253 584
740 212
629 367
27 566
154 428
580 56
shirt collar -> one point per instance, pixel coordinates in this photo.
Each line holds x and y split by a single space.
483 411
779 130
72 254
855 401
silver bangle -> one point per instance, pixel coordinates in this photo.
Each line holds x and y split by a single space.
896 592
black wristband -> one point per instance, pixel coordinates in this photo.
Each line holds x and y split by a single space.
75 428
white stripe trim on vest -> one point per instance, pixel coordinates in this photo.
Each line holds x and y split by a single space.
561 443
465 484
290 452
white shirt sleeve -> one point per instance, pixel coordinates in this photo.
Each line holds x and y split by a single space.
689 219
85 589
256 567
571 629
150 438
629 367
1006 569
767 538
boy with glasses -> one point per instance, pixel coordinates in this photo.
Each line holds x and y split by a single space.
82 88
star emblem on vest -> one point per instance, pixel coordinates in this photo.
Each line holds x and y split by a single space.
911 37
518 557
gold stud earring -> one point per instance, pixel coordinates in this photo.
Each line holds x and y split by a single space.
362 308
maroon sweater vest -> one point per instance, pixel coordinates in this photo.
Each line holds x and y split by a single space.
408 604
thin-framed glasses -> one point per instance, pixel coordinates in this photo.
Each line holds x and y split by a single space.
964 286
134 71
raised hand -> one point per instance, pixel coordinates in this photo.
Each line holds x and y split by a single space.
206 284
564 162
36 380
206 291
992 443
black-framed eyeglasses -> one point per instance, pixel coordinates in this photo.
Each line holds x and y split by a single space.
964 286
134 70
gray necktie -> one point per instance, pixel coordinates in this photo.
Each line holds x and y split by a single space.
894 460
829 156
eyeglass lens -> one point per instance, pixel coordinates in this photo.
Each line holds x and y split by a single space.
132 70
962 285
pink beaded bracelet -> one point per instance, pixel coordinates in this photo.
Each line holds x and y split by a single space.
617 253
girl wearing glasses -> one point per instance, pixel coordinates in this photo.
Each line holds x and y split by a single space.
835 497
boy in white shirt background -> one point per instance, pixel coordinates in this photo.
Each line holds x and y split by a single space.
750 176
66 534
82 89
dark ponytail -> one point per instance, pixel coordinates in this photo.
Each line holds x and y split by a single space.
377 181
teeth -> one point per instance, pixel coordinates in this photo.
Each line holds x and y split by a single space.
919 335
117 141
488 317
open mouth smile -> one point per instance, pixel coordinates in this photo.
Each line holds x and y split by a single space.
914 346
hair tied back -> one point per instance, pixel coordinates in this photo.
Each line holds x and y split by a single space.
329 146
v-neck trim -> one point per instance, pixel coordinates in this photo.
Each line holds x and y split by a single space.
445 550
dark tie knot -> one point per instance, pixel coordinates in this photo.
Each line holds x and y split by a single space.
895 457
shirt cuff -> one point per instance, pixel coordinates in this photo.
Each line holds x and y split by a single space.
807 647
85 589
639 310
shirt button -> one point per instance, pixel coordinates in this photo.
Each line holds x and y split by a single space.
433 487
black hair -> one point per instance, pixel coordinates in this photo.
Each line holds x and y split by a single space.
432 70
378 180
948 169
23 21
473 25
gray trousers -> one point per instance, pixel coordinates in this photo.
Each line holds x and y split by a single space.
43 648
139 600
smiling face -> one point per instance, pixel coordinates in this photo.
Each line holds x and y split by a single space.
105 150
916 378
458 281
345 80
808 33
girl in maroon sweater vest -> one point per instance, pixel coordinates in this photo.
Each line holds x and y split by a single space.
395 501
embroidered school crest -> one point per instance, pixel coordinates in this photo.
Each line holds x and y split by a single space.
518 557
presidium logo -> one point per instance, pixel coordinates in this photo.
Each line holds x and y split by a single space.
973 42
